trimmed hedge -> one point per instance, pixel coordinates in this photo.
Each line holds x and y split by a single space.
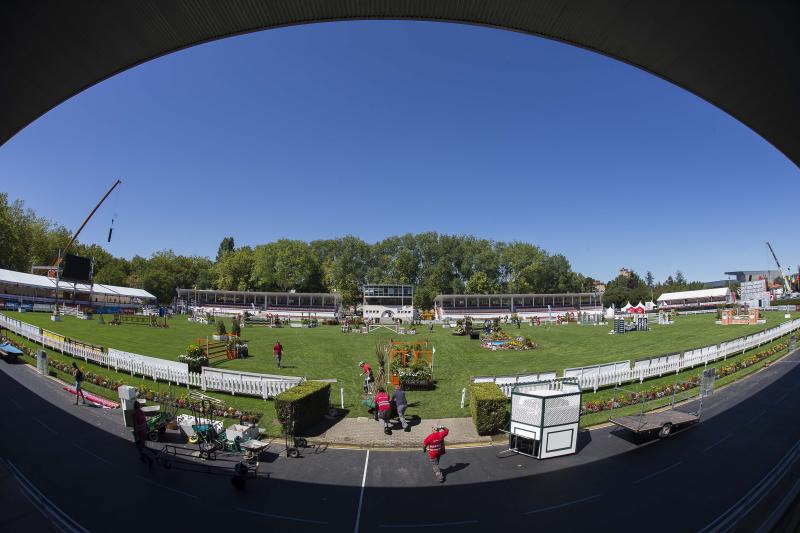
311 400
487 404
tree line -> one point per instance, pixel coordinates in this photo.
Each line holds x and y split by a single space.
432 262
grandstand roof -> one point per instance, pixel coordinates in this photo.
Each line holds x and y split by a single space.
528 295
44 282
256 293
690 295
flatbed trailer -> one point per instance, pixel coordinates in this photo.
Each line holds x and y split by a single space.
663 422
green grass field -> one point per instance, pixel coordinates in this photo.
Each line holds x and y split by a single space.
325 352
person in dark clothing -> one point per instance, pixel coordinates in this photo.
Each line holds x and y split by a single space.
399 399
140 433
78 375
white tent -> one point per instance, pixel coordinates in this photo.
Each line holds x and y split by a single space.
610 312
650 305
638 308
627 308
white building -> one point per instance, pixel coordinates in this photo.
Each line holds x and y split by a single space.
388 302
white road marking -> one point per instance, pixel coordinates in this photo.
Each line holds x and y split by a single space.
435 524
654 474
61 520
282 517
565 504
48 428
168 488
101 459
720 441
361 496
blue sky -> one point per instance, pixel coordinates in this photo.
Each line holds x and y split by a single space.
380 128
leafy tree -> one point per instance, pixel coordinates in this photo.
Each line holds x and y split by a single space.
649 280
480 283
679 278
233 271
623 289
226 246
285 265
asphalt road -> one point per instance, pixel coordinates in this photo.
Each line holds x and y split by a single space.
73 467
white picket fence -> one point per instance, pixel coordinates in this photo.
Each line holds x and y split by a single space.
248 383
215 379
507 383
619 372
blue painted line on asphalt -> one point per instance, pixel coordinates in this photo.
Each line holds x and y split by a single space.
283 517
757 417
565 504
48 428
433 524
654 474
168 488
720 441
101 459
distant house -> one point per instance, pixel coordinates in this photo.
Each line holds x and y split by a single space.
598 286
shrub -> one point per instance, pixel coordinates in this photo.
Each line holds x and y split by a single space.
487 404
220 327
310 401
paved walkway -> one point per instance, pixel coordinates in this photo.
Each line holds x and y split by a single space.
367 432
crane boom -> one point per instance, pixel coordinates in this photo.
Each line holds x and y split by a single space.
75 235
786 285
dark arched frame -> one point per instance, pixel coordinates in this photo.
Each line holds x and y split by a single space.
741 56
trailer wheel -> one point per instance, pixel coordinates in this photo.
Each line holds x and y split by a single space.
153 435
300 442
294 453
665 431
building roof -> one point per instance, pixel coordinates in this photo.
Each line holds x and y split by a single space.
255 293
592 294
53 50
44 282
721 292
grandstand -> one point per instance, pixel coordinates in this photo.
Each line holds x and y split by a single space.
695 300
31 292
283 304
524 305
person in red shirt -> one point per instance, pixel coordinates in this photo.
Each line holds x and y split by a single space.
140 433
384 408
277 352
366 373
434 446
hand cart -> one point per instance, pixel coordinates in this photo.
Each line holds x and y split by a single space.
236 465
294 444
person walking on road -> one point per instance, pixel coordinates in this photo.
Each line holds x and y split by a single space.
399 399
140 433
434 446
78 375
384 408
277 352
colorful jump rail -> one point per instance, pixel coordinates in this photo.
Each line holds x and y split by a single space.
214 379
619 372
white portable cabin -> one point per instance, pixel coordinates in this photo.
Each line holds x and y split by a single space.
544 418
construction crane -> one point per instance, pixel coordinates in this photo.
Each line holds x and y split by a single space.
786 285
